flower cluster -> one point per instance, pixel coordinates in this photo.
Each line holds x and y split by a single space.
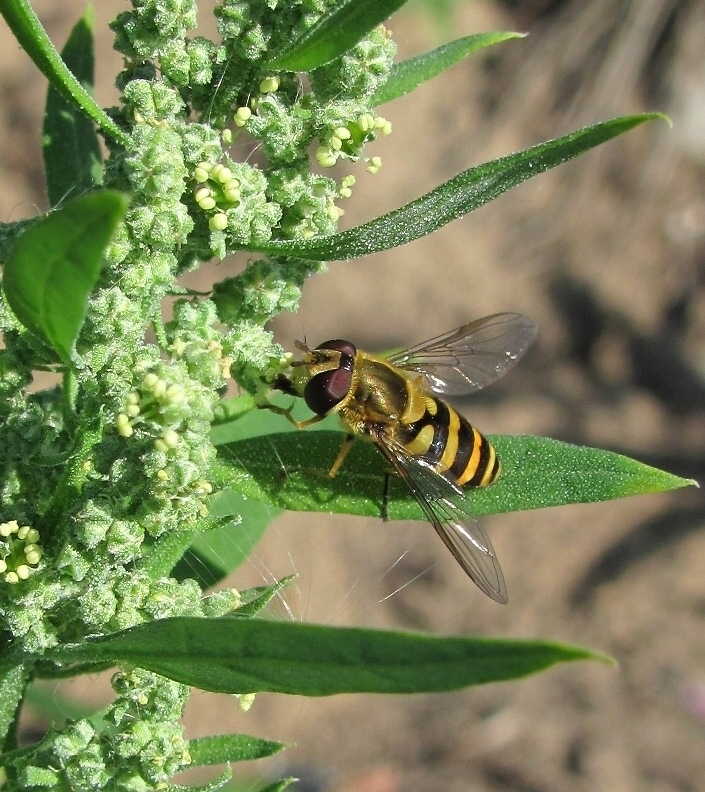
159 404
231 204
142 749
348 141
20 551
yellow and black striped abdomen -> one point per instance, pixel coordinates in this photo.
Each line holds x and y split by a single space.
446 440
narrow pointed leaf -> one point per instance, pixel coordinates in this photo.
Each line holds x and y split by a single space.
55 706
255 599
72 159
162 557
223 748
206 569
213 554
279 786
212 786
253 422
32 37
249 655
462 194
334 34
13 679
289 471
55 264
410 73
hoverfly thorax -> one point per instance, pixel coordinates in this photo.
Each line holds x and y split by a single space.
325 375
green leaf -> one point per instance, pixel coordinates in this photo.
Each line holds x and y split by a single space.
72 158
55 264
224 748
249 655
409 74
334 34
32 37
253 422
255 599
54 706
207 572
289 471
212 786
462 194
162 557
279 786
233 407
213 554
13 679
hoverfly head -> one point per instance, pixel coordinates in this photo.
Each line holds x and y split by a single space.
324 376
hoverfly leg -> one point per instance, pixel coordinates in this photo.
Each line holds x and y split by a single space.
385 498
308 422
275 408
347 443
286 412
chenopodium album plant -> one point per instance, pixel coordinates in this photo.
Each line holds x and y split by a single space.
134 485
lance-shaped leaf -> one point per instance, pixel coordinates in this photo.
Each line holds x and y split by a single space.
14 675
254 599
410 73
223 748
28 30
55 264
220 782
462 194
72 159
249 655
334 34
214 553
279 786
289 471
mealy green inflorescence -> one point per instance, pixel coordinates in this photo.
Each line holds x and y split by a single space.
223 153
139 744
195 112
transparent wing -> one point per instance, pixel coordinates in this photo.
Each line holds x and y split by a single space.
442 503
471 357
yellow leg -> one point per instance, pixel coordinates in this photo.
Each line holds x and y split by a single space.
307 422
286 412
347 443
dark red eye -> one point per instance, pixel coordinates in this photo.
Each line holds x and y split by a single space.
346 349
327 389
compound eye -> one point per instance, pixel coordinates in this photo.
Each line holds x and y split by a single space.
327 389
346 349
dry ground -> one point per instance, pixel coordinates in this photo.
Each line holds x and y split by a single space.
606 254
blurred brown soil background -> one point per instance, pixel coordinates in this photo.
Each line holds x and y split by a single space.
607 255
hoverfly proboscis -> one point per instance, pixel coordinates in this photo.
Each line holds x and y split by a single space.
430 446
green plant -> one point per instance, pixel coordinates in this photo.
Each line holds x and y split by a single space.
107 481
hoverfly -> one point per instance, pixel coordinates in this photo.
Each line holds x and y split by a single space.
430 446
